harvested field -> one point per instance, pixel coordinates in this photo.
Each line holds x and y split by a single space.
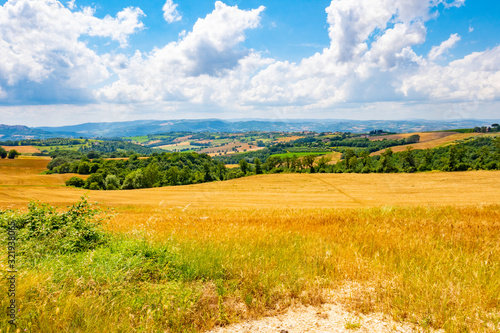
381 252
228 148
180 145
182 138
424 136
24 171
432 143
288 138
268 191
23 149
232 166
335 156
23 165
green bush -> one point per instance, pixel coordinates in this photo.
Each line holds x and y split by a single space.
75 181
43 230
13 154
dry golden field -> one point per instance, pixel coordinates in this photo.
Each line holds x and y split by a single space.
23 149
424 136
288 138
424 249
21 182
228 148
433 143
335 157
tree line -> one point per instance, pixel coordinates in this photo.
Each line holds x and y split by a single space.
475 154
170 169
11 154
165 169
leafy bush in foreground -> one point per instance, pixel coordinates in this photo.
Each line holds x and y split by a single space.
44 230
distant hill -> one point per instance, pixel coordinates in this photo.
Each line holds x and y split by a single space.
20 132
144 127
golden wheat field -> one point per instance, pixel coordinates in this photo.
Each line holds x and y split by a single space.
21 182
424 136
23 149
434 140
425 249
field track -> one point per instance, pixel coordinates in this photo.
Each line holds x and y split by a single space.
20 182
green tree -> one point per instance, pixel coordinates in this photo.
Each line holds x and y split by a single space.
92 155
151 175
84 168
243 166
3 152
412 139
94 178
172 176
59 160
207 176
138 181
75 181
427 161
348 155
111 182
308 160
128 182
386 163
13 154
366 161
258 166
408 160
221 171
323 161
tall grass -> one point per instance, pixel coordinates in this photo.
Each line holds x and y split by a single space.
187 270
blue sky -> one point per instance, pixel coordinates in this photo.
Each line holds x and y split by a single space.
71 62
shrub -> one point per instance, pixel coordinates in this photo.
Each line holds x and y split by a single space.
111 182
75 181
95 178
13 153
44 230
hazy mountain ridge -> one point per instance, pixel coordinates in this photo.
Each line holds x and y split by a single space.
20 132
144 127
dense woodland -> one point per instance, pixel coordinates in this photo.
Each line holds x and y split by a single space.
169 169
165 169
474 154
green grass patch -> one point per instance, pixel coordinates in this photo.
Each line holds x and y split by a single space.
138 139
302 154
182 148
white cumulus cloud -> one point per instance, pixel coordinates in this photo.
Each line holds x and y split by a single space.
170 13
42 58
475 77
197 66
437 51
371 61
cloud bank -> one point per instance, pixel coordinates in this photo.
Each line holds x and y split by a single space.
371 59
